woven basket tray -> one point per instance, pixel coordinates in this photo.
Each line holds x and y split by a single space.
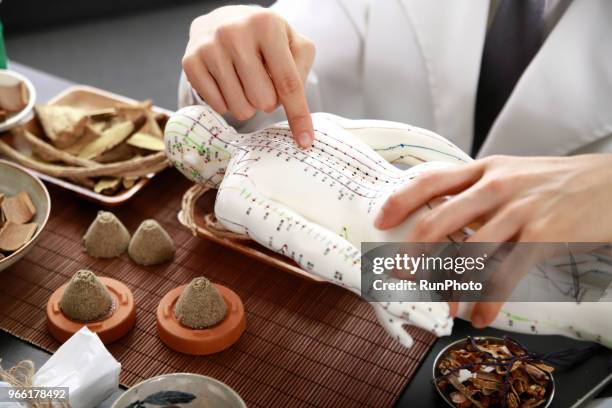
197 214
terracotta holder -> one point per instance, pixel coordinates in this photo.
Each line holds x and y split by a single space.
203 341
110 329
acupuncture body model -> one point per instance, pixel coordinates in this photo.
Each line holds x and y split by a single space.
317 205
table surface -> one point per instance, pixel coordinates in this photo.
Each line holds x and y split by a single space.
582 377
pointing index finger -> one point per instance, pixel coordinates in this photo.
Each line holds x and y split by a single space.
290 89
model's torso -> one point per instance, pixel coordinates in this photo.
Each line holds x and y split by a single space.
340 183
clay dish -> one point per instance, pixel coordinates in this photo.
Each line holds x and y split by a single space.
111 328
200 341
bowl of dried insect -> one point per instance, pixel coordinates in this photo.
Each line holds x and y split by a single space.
489 372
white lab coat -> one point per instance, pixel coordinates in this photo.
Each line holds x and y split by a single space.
418 61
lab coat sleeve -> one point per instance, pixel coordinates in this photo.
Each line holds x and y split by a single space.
349 19
601 145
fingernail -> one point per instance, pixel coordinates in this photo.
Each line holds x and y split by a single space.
379 222
478 321
304 140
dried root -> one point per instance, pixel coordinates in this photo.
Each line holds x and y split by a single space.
136 167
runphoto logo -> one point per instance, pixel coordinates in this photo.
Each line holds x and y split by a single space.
413 264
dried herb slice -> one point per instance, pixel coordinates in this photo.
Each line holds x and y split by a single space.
48 152
107 185
110 138
102 114
13 95
133 112
146 141
118 153
151 126
18 209
14 236
91 133
129 182
63 125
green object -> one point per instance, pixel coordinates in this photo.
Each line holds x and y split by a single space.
3 59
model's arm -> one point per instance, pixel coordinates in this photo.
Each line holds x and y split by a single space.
318 251
400 143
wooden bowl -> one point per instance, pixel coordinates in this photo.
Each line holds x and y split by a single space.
13 179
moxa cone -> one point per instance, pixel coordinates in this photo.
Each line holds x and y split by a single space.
151 244
200 305
85 298
106 237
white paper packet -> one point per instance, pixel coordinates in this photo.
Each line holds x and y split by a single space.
8 404
85 366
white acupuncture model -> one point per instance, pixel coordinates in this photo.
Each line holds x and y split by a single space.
317 205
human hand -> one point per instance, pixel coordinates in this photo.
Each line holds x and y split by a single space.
526 199
242 59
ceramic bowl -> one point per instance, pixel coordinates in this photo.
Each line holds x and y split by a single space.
25 113
461 343
178 391
13 179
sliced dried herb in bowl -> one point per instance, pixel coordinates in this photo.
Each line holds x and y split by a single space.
16 230
489 372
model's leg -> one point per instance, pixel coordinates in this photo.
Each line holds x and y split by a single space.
241 208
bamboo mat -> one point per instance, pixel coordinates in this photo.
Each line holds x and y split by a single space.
306 344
